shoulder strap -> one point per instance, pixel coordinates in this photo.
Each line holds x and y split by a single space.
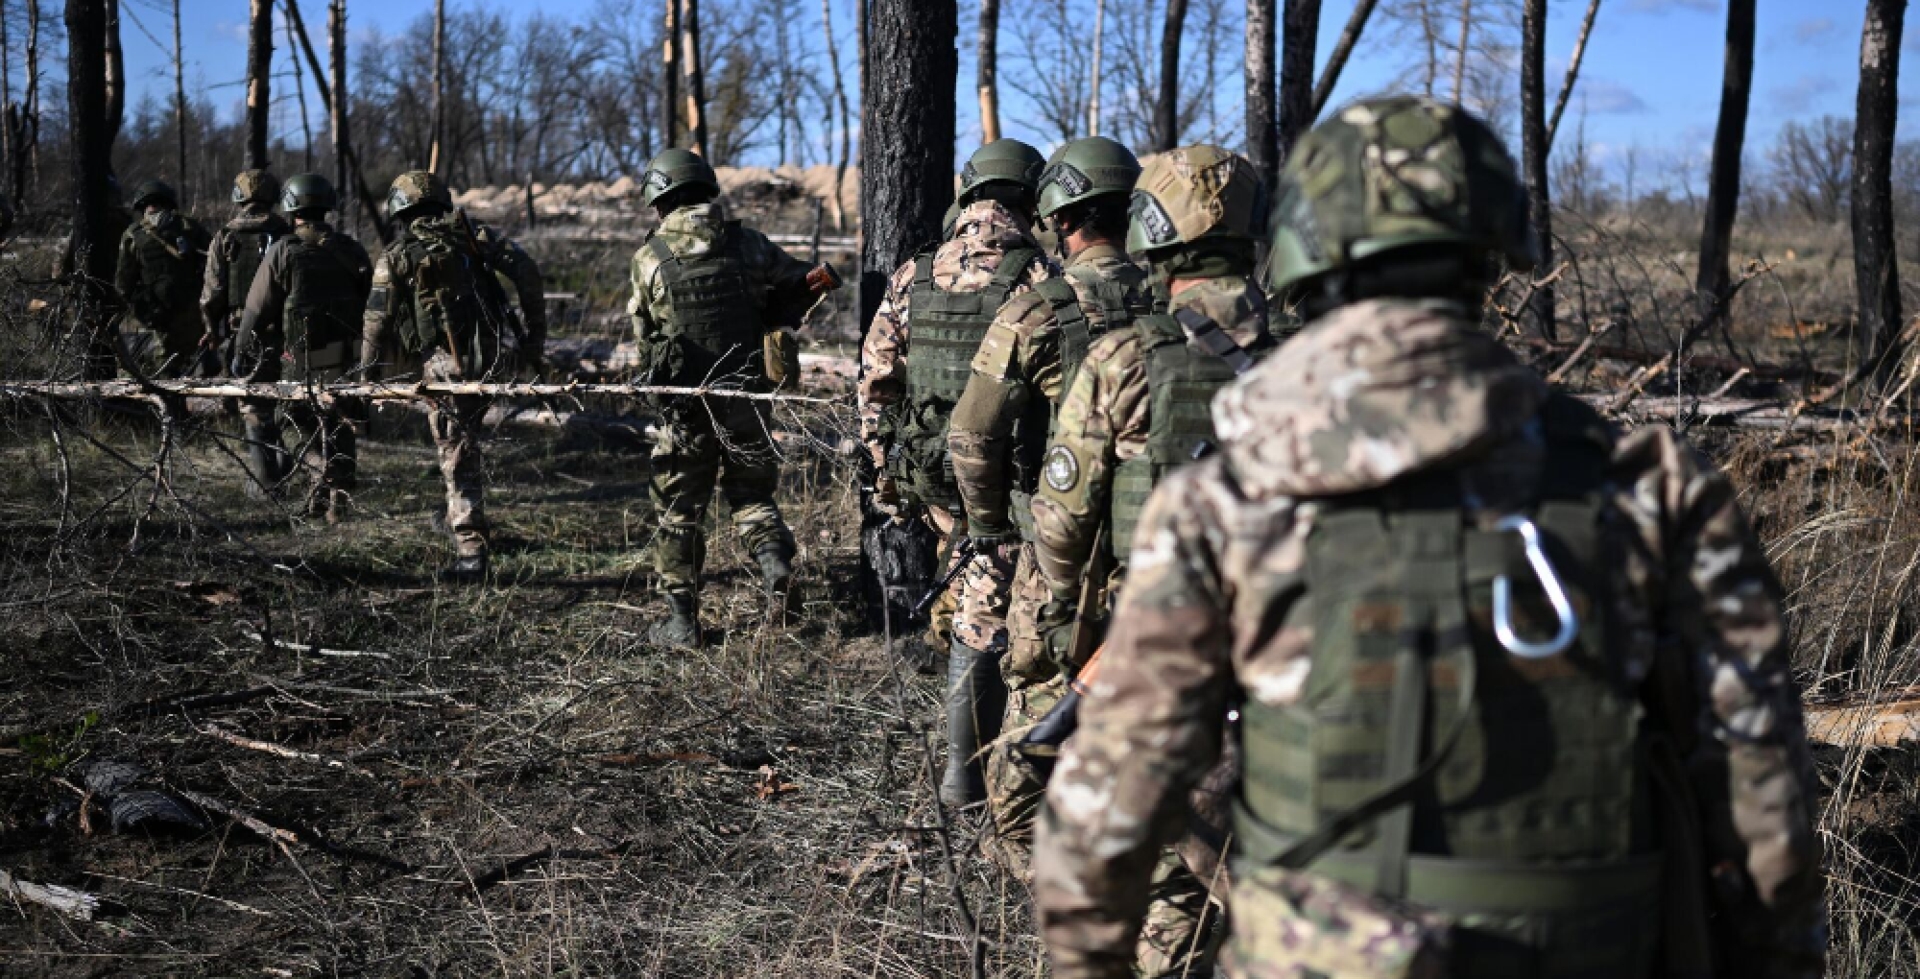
923 269
1013 265
1208 336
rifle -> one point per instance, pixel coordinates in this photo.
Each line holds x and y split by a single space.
964 551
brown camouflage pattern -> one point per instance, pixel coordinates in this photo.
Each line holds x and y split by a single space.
1223 541
1104 421
967 260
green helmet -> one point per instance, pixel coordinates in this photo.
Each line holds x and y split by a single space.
948 220
308 192
1006 161
1195 192
155 192
417 189
1391 173
255 187
674 169
1085 169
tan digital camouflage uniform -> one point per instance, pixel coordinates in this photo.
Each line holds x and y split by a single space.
724 442
966 261
1370 393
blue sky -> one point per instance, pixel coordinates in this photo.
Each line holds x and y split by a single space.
1651 76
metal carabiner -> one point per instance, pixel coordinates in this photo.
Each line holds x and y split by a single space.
1549 581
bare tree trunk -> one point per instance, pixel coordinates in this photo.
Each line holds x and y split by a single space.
1429 33
906 139
259 67
696 75
346 162
1460 57
670 73
1263 145
1573 70
1166 110
180 103
1876 268
439 85
1715 276
92 150
1533 139
1093 82
8 147
116 73
32 102
300 90
988 62
1342 50
846 117
1298 46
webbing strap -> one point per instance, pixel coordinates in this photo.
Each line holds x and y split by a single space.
1208 336
1408 706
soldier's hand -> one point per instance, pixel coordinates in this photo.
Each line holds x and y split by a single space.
1055 622
886 492
822 278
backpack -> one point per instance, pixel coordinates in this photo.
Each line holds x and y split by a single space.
455 303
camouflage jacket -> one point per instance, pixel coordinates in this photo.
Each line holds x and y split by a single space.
1104 421
1368 394
162 257
509 260
262 330
696 230
966 261
215 305
1018 361
391 293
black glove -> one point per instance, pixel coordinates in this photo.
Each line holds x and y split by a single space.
988 538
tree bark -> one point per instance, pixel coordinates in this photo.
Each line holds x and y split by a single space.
259 87
1298 47
670 74
1460 56
1715 275
300 93
180 103
1876 268
988 61
92 153
31 110
846 117
1533 139
1166 110
1342 50
696 75
906 138
116 73
8 147
1263 145
1573 70
1093 82
439 85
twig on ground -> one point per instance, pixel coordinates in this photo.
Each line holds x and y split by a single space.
74 904
268 747
299 647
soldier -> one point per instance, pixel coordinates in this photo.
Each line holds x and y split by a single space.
1136 410
946 298
1024 365
299 324
161 264
437 310
706 292
233 257
1513 691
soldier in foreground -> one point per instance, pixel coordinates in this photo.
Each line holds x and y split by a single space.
301 323
233 257
706 293
1513 691
162 261
914 366
1137 410
437 310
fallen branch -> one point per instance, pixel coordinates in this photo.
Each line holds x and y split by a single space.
74 904
376 391
281 751
314 650
1747 413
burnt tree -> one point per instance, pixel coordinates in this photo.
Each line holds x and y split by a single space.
92 147
670 75
696 75
846 117
1342 50
1298 46
116 73
1533 145
1714 279
1876 269
988 64
1166 108
1263 149
439 84
259 68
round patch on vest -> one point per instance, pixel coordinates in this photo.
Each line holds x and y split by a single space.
1062 469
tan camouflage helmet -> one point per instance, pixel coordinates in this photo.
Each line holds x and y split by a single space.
1391 173
415 190
673 169
255 187
1195 192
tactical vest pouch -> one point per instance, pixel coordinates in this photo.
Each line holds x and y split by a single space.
715 329
781 353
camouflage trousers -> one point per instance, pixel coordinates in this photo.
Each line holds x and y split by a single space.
719 442
1180 935
982 595
326 440
1026 660
456 424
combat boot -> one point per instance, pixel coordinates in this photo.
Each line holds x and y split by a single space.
976 700
681 628
776 568
266 462
466 569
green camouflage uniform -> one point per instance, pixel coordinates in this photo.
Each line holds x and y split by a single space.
1376 392
159 271
724 442
233 257
984 232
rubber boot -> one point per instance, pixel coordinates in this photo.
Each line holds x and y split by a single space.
776 569
976 701
681 628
